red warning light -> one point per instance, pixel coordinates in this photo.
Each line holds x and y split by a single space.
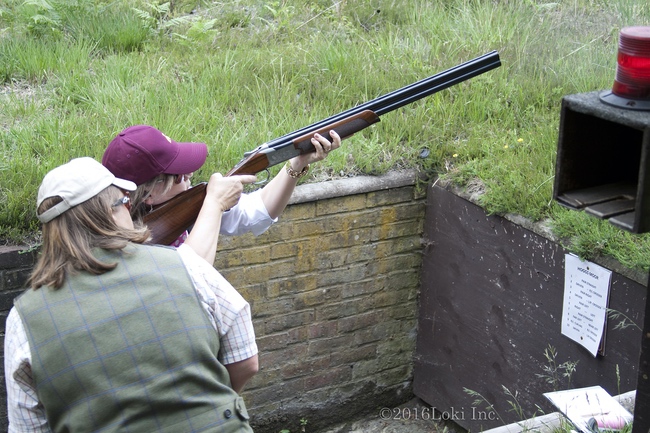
631 88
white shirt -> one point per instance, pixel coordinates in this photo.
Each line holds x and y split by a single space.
248 215
228 311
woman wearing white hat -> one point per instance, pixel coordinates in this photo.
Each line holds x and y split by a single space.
113 335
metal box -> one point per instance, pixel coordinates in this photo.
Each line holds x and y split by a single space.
602 164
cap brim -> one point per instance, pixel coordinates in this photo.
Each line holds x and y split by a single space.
124 184
190 158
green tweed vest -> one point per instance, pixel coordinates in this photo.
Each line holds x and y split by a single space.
131 350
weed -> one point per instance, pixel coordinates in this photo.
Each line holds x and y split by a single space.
303 426
158 17
624 321
554 373
479 400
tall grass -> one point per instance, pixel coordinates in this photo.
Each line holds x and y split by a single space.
236 74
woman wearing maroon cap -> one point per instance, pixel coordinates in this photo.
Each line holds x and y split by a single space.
162 168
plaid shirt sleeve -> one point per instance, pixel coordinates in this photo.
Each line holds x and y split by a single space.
229 312
24 411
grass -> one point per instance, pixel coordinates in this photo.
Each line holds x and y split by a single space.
235 74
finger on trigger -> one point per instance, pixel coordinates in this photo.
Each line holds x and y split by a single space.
248 178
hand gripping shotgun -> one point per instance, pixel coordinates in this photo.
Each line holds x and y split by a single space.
169 219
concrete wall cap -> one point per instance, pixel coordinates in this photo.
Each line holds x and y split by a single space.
355 185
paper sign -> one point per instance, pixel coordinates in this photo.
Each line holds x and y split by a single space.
586 296
590 409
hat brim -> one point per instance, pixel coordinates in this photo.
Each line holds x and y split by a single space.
191 157
124 184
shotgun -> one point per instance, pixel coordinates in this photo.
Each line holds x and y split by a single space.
170 219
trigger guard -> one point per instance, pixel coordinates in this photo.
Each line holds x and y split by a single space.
263 181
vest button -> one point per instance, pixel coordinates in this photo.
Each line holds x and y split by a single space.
227 413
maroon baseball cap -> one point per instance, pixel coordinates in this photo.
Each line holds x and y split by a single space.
141 152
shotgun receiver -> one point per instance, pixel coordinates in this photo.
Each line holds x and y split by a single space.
170 219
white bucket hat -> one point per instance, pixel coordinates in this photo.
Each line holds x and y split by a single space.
76 182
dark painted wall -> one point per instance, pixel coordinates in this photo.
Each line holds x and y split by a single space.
491 303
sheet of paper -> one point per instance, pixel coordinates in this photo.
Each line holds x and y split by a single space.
586 296
589 407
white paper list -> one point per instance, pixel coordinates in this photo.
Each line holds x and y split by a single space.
586 296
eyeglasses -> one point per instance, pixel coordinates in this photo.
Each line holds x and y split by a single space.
181 177
126 201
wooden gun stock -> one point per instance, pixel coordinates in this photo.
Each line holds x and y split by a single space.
170 219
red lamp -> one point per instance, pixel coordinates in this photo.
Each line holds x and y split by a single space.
631 88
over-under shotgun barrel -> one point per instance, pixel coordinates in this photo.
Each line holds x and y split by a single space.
170 219
407 94
355 119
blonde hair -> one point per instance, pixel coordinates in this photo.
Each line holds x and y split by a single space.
138 207
69 239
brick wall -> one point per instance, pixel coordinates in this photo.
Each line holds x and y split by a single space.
333 288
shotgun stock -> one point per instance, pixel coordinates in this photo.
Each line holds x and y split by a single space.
170 219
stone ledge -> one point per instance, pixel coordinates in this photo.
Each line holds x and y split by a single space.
354 185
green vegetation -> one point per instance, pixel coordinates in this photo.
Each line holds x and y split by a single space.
235 74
